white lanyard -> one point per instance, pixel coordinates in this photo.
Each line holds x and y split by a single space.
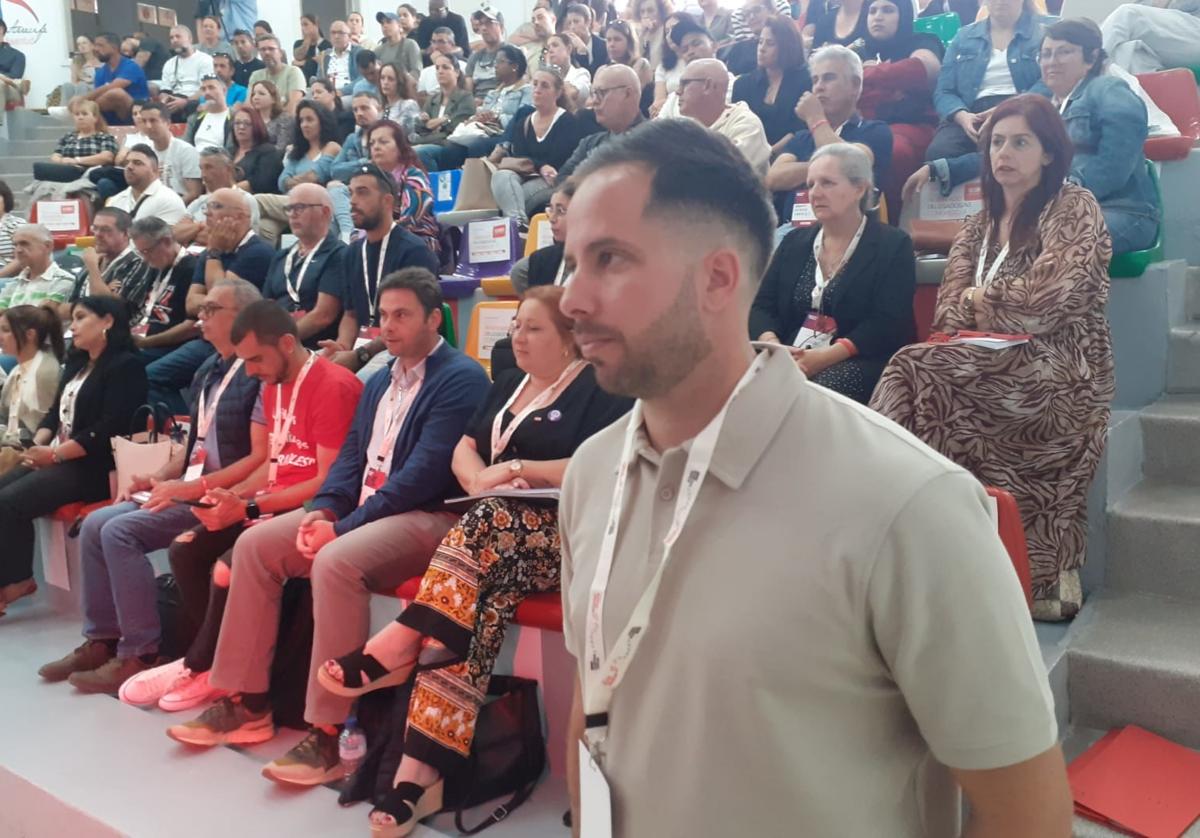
294 290
542 399
603 673
205 417
818 292
560 278
980 279
391 429
159 285
283 424
383 245
1062 108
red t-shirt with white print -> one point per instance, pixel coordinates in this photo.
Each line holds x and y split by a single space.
324 409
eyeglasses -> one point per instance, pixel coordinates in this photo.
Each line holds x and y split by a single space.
599 93
209 309
1058 54
296 209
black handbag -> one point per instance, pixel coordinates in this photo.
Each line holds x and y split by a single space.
508 753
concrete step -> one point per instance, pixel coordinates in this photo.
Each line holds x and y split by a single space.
23 165
1136 663
1192 295
1154 541
1171 439
41 148
1183 360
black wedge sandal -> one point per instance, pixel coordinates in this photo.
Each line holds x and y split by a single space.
361 674
408 804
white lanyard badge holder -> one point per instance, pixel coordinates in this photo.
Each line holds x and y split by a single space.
543 399
603 673
204 419
371 301
374 477
283 423
289 261
982 281
819 328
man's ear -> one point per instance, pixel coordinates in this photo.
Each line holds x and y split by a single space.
723 279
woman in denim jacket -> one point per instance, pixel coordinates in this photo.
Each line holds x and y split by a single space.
1106 122
985 64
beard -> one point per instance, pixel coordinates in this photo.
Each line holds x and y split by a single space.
365 220
663 355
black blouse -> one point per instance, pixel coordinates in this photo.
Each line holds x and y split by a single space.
553 149
823 17
778 118
262 167
555 431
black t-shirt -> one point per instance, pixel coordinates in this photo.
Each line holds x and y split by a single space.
250 261
243 70
404 251
555 431
159 55
325 275
454 22
170 305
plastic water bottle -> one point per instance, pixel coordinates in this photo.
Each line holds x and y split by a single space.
352 747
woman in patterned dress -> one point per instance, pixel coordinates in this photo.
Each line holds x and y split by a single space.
500 551
1030 418
388 145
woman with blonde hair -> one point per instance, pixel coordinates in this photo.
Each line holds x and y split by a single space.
88 145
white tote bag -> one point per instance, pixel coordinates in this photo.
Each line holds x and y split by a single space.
144 452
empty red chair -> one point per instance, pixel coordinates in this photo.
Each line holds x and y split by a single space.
67 220
924 303
542 611
1012 533
1175 92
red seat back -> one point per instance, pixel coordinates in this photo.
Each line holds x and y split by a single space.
924 304
1175 92
1012 533
542 611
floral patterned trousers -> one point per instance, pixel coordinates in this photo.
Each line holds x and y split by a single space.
499 552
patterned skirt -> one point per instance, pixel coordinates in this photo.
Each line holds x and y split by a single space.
1021 421
500 551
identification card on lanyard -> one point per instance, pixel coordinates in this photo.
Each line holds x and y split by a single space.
980 279
374 477
204 419
817 332
383 246
802 211
283 423
546 397
289 262
157 289
603 671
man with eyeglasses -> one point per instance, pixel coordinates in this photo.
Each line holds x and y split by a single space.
703 88
113 268
162 323
339 63
308 279
234 252
146 196
616 102
287 78
217 171
223 66
693 43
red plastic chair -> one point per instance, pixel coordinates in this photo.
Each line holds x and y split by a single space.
924 303
541 611
1012 533
83 225
1175 92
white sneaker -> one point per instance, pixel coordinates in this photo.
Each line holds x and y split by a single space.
146 688
190 692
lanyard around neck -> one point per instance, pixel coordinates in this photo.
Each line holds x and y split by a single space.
980 279
543 399
288 261
205 414
383 245
283 422
818 293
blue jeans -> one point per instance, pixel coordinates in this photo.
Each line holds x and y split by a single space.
440 158
173 373
120 599
1129 230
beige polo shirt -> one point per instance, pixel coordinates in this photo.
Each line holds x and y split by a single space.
839 622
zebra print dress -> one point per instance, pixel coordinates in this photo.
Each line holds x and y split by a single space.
1029 419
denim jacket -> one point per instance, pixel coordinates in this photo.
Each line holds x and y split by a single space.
968 55
1106 122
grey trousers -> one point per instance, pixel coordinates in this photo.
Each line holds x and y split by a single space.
378 556
512 192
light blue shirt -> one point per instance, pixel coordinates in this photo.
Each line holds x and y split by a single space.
238 14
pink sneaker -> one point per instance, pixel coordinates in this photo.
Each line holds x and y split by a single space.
146 688
190 692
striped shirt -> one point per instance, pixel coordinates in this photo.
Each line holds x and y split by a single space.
8 225
54 285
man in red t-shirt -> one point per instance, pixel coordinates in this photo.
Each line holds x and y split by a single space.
308 404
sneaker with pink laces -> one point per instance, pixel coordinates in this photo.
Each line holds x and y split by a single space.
190 692
146 688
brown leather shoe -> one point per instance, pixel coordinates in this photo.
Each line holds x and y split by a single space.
91 655
109 677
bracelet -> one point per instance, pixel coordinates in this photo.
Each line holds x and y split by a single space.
817 125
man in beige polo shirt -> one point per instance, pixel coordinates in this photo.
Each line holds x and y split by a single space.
838 642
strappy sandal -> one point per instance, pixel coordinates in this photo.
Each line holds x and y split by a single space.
11 593
355 666
408 804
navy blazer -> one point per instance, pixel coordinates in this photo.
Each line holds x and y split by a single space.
454 387
355 75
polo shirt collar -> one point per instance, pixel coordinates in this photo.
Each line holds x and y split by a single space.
751 423
50 273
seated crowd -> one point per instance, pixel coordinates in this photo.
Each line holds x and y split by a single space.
266 258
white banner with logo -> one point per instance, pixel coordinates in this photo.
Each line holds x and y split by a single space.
42 31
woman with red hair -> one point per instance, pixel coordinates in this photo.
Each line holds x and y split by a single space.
259 161
1029 418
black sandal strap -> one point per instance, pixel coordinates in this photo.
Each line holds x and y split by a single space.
401 802
355 664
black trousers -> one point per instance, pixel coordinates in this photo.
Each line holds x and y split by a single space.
57 172
26 494
951 140
192 557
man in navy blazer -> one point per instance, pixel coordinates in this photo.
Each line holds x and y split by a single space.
375 522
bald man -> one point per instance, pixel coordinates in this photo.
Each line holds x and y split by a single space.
703 88
616 101
179 87
307 278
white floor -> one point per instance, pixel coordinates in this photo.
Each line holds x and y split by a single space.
80 765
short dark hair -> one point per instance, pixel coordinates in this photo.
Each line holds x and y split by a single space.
383 180
365 57
695 172
6 197
153 228
367 94
1084 34
418 280
3 25
145 151
111 37
581 9
262 24
515 56
445 30
266 319
120 217
151 105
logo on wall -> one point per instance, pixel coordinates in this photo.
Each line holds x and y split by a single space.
24 29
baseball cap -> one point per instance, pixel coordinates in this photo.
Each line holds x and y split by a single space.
487 11
382 16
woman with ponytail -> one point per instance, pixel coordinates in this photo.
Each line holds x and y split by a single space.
32 335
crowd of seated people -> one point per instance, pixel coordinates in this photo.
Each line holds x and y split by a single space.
269 268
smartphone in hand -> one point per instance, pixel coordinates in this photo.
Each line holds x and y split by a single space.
200 504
